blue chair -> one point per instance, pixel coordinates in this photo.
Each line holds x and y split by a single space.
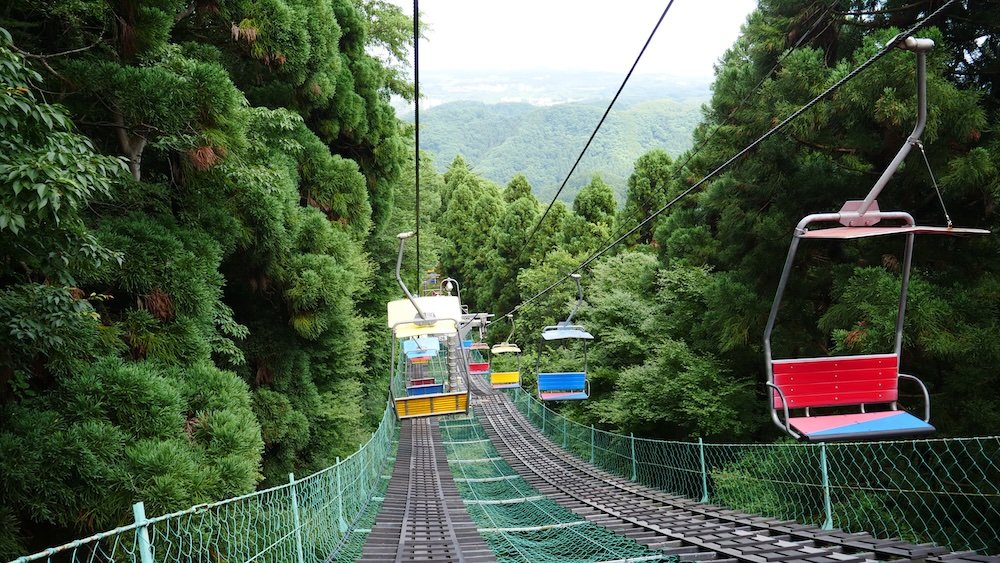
563 386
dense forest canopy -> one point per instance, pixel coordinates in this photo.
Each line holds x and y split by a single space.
192 196
199 207
502 140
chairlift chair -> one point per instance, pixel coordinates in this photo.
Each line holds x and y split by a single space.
564 386
430 283
427 387
478 355
865 386
421 348
506 379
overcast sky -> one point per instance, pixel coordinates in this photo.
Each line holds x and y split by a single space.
599 35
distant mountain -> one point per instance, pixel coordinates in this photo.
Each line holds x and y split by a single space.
546 88
542 142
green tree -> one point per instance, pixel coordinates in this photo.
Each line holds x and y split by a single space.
119 431
739 227
470 207
644 380
517 188
50 174
221 284
593 215
648 188
595 202
509 233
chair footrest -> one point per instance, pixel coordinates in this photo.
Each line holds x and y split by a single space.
860 426
562 395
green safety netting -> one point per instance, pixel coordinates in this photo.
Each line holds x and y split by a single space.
354 543
945 491
325 515
516 521
475 356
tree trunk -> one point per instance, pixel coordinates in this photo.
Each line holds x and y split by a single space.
131 146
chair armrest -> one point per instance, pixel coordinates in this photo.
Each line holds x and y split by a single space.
586 383
923 389
784 405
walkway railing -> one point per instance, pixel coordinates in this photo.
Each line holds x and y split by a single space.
945 491
305 520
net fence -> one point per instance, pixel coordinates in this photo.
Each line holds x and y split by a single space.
517 522
322 517
945 491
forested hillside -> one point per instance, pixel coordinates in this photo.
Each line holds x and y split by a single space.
200 203
193 194
679 309
541 142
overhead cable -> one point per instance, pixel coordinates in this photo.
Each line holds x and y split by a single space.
732 113
416 127
534 230
890 45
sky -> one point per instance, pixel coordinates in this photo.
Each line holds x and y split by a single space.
596 35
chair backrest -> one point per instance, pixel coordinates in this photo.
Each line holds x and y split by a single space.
505 377
562 381
834 381
427 346
422 381
439 307
424 389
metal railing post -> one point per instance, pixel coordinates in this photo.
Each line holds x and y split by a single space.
704 471
564 432
340 499
591 444
142 533
827 505
543 418
295 519
635 468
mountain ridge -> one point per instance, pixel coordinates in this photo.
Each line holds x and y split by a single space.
503 139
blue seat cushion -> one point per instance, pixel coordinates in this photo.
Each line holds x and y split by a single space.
859 426
563 396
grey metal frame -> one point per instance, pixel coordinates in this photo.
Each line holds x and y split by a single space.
422 316
510 317
568 323
862 213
